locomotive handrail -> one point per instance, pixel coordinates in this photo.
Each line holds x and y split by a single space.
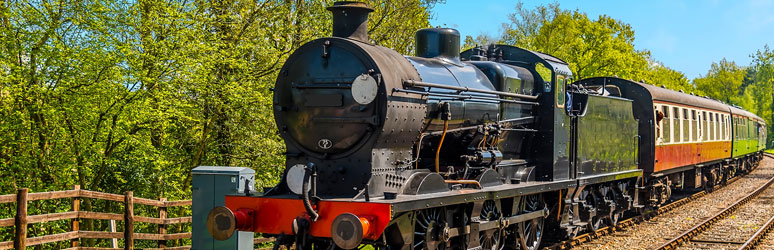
463 97
412 83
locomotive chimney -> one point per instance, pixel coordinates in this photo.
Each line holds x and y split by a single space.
438 42
350 20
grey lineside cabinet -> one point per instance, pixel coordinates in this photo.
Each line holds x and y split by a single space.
209 186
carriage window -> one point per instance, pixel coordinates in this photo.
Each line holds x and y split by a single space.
723 127
657 123
694 126
728 127
717 125
704 126
729 131
746 128
676 123
711 130
686 130
736 128
666 125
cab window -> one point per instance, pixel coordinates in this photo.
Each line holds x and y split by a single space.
560 91
545 75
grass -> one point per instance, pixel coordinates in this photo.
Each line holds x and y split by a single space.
770 151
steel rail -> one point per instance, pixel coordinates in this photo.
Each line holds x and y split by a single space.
758 236
706 224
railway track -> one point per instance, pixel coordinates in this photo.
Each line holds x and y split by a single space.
762 237
587 237
723 230
628 223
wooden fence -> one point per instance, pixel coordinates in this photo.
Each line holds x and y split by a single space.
22 219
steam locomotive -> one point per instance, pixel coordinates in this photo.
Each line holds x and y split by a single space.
495 147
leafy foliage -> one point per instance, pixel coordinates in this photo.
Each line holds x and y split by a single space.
751 87
605 47
762 88
723 80
131 95
601 47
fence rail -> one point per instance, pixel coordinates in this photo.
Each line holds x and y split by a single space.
22 219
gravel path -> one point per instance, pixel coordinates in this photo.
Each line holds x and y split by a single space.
658 230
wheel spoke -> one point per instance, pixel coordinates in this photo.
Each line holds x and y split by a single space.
530 231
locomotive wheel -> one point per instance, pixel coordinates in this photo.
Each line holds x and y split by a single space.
614 196
575 230
595 201
724 175
733 172
531 231
608 205
490 239
709 183
427 228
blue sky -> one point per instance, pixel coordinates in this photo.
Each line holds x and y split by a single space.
684 35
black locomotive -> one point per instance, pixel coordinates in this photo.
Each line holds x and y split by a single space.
493 147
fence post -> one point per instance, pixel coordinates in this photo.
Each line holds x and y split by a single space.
113 241
75 224
129 220
163 225
20 242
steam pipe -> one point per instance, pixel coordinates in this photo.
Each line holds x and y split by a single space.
438 152
307 201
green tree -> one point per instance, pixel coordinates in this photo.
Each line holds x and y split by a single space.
601 47
723 81
660 75
763 86
131 95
